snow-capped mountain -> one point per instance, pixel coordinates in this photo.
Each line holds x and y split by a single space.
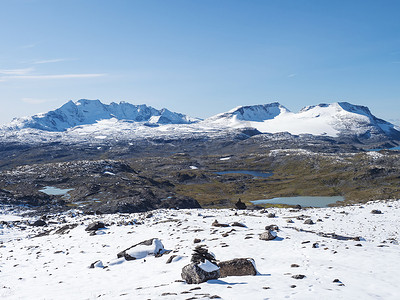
336 119
95 122
255 113
86 112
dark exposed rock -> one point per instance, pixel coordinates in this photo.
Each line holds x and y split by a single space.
65 229
39 223
237 267
201 254
168 294
97 264
217 224
272 227
237 224
376 212
240 205
196 241
309 222
95 226
294 266
170 259
267 235
298 276
271 215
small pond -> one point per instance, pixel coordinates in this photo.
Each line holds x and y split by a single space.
53 191
305 201
256 174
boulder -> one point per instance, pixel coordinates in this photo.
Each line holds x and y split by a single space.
376 212
272 227
217 224
309 222
271 215
240 205
39 223
237 267
237 224
198 273
267 235
95 226
299 276
143 249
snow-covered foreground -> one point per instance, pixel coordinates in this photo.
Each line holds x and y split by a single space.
56 266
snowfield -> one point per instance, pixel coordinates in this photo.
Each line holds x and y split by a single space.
55 265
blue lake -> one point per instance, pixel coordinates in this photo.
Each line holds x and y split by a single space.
256 174
305 201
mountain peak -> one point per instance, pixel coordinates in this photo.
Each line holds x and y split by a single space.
85 112
256 113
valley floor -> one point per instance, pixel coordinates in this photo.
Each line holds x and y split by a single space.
56 265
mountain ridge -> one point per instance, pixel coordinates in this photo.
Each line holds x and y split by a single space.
93 120
86 112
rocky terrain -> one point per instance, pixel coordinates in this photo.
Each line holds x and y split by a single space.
186 180
335 253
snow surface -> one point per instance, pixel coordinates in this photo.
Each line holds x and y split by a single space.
208 266
324 119
56 266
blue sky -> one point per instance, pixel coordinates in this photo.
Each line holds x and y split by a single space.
199 57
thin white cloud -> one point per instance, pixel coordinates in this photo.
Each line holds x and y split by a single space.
16 72
33 100
292 75
57 76
50 61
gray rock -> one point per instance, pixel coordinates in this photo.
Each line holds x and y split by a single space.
193 274
95 226
298 276
267 236
272 227
39 223
217 224
237 267
309 222
237 224
376 212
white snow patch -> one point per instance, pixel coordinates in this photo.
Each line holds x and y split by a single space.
208 266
